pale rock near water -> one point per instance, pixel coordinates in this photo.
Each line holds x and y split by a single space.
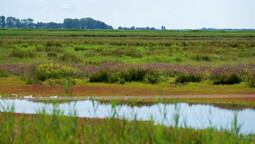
54 97
28 97
14 95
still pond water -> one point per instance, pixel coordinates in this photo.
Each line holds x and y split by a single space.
195 116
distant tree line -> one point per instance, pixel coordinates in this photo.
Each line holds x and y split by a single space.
141 28
136 28
84 23
225 29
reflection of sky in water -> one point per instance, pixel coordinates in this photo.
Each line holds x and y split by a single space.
196 116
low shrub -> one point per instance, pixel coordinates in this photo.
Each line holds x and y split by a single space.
3 73
130 75
226 78
251 79
113 78
152 77
122 81
103 76
18 53
55 71
134 74
67 57
186 78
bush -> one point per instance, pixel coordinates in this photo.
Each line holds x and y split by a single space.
3 73
186 78
251 79
113 78
134 74
22 53
152 77
104 76
56 71
122 81
67 57
226 78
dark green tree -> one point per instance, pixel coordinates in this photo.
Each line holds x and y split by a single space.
30 23
90 23
71 23
11 22
2 21
67 23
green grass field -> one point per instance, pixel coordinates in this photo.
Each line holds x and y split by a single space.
224 57
196 48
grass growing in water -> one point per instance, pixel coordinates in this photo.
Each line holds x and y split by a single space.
57 128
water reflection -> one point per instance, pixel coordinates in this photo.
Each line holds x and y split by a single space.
196 116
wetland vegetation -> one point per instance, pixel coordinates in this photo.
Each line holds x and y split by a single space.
72 63
112 56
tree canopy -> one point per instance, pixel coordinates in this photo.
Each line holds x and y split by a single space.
69 23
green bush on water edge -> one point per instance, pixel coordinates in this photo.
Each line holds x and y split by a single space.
57 128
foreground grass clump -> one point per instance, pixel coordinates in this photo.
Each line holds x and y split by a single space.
56 128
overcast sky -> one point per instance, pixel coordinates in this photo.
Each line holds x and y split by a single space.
174 14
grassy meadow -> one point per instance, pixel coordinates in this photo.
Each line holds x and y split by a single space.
197 48
172 57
